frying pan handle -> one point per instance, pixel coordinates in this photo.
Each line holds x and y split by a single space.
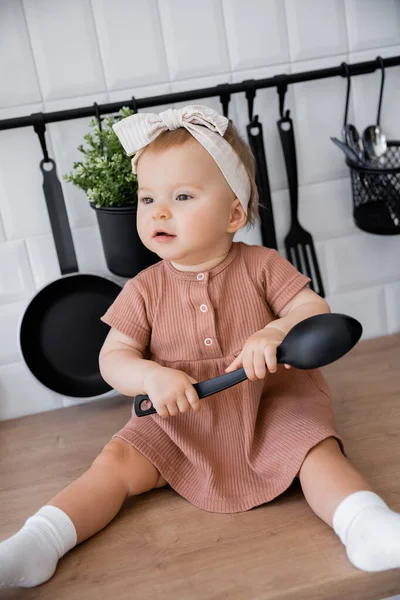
58 218
55 204
256 142
286 132
203 389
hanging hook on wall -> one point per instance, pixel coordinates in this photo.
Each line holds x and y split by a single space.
382 67
281 89
97 112
224 97
250 96
40 127
345 67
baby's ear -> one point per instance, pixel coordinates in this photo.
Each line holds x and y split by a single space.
238 216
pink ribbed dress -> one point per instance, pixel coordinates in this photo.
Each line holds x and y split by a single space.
247 443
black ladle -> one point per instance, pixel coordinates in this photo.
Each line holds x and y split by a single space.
312 343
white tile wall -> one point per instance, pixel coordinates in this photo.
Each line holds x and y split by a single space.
58 55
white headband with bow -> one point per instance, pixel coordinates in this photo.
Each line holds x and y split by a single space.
205 124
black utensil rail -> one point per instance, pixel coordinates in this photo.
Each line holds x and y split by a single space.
223 91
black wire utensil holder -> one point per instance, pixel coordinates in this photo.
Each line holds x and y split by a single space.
375 182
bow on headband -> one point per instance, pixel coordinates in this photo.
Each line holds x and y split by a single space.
206 125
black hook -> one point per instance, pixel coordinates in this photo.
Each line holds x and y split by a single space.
382 66
97 113
250 95
134 105
40 127
345 67
282 89
225 97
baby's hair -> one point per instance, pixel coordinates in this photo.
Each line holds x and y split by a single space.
176 137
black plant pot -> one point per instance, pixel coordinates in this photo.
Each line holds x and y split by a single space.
124 251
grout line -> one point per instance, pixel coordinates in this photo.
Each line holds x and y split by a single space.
347 25
96 36
32 51
221 3
157 6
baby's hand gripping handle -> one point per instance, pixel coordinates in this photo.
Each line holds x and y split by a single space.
203 389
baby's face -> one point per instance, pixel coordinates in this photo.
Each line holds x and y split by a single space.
183 192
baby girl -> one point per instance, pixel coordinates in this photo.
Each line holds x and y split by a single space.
210 306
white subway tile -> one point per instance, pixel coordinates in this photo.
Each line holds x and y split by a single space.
266 106
204 83
43 259
10 316
362 260
22 202
373 23
318 116
16 281
392 294
23 110
89 250
2 233
256 33
324 209
130 34
16 67
194 35
65 47
316 28
367 305
21 394
145 91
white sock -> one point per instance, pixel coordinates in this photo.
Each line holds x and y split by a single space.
29 557
370 530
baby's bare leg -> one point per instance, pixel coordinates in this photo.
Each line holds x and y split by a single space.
30 557
342 498
93 500
327 477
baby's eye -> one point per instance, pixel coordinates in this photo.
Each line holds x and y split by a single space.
183 196
145 198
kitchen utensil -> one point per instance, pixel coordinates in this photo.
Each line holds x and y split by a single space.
350 135
256 142
351 155
298 242
353 141
374 140
60 332
311 344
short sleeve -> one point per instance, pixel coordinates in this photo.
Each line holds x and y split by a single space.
282 281
128 314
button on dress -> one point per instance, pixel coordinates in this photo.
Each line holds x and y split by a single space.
247 443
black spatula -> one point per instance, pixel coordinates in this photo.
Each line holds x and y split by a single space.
299 244
312 343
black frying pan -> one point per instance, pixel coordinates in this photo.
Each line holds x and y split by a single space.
61 333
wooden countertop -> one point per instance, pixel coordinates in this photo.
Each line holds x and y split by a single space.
160 546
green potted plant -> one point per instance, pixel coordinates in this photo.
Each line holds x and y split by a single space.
105 174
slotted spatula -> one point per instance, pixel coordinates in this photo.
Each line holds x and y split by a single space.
299 244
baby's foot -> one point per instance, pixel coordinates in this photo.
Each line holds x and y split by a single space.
30 557
370 530
373 539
